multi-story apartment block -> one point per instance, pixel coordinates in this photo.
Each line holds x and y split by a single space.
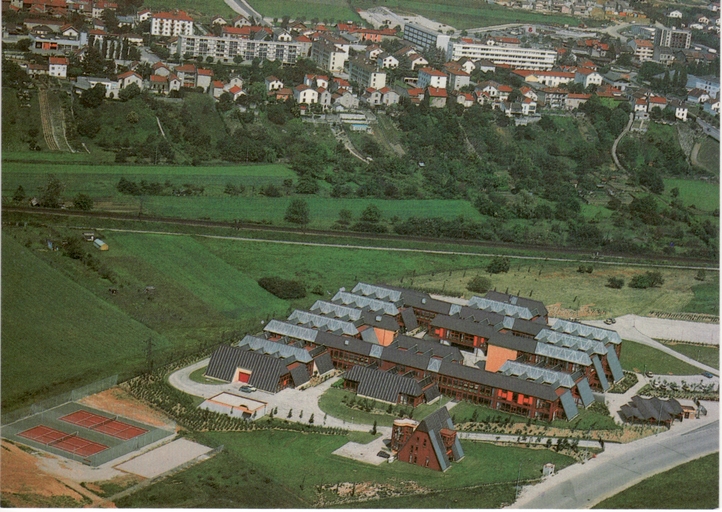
424 38
365 74
430 77
528 58
672 37
225 49
643 49
328 55
176 23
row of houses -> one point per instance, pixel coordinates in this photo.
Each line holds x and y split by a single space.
523 365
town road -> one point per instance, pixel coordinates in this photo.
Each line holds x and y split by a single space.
621 466
709 129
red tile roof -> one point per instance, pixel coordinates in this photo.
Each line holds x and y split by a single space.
176 15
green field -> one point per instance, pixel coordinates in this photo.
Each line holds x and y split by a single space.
702 194
704 354
58 335
205 9
586 295
462 14
705 299
293 468
330 403
639 358
708 155
587 419
330 10
662 491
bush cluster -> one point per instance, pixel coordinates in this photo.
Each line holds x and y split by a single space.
283 288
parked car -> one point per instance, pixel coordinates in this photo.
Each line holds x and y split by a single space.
707 374
247 389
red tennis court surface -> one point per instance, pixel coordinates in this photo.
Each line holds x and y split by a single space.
104 424
66 442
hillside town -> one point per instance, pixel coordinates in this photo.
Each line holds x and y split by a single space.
520 71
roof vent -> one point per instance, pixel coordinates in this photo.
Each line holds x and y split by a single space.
345 342
378 318
423 301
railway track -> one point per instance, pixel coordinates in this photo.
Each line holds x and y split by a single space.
454 244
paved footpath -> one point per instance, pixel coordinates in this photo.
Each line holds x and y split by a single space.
624 465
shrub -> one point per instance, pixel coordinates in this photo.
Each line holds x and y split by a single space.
647 280
283 288
479 284
615 282
498 265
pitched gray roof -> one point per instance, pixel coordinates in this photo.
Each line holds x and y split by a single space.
433 424
537 374
502 308
513 342
265 370
339 311
533 305
275 349
561 339
352 345
324 363
362 302
563 354
381 321
300 375
322 323
290 330
466 326
382 385
651 409
430 347
529 327
377 292
409 318
587 331
498 380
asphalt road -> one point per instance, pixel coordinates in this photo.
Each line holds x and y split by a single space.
621 466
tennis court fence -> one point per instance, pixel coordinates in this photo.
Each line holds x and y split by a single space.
70 396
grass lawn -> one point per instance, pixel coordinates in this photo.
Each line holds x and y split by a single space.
705 299
269 468
708 155
205 9
638 357
331 10
701 194
704 354
198 376
56 334
662 491
587 419
330 403
463 14
560 284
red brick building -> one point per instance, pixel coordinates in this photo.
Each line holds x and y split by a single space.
431 443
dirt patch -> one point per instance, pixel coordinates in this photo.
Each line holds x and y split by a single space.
117 401
362 491
584 311
24 484
626 434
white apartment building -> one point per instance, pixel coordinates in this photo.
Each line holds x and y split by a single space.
176 23
58 67
366 75
527 58
329 55
643 49
224 49
430 77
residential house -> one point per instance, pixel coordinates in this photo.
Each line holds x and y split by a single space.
373 51
389 96
305 94
680 109
587 77
458 79
553 97
58 67
431 443
697 96
386 60
575 100
130 77
416 60
372 97
204 77
429 77
437 97
465 98
273 83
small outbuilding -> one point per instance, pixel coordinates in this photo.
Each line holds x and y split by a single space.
98 243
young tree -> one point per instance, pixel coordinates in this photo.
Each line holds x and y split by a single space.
83 202
479 284
297 212
498 265
50 192
371 214
19 196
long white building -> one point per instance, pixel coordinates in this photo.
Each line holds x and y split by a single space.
169 24
527 58
224 49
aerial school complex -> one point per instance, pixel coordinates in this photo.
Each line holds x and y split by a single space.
401 346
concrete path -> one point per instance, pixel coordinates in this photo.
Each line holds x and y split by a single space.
621 466
616 142
629 327
508 438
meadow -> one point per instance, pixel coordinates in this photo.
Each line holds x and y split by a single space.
297 467
572 293
330 10
58 335
702 194
641 358
702 353
662 491
464 14
708 155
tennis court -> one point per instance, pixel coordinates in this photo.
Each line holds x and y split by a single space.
107 425
71 443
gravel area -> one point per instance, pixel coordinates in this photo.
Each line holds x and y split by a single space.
163 459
